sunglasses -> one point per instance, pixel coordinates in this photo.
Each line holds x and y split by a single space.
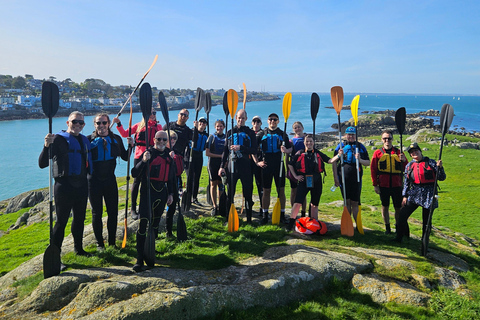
273 119
154 113
386 139
80 122
161 139
101 122
184 115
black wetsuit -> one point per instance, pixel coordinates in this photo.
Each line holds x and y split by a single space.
245 137
70 190
102 184
159 191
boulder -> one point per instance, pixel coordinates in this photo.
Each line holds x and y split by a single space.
25 200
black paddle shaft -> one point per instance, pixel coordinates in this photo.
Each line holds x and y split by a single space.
400 119
446 117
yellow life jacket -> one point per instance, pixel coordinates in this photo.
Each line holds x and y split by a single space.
389 163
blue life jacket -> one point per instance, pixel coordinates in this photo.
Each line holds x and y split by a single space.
218 144
74 166
241 139
201 142
349 154
298 144
103 148
271 143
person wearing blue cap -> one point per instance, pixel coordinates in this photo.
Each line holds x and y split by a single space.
200 137
352 186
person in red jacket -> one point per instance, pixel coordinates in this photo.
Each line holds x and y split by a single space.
387 167
138 130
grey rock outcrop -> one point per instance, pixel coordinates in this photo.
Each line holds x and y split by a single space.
25 200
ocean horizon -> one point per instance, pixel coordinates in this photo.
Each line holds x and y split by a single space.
22 140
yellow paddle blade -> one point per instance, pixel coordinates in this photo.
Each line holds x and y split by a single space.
244 95
276 212
124 242
287 105
346 224
354 108
232 98
233 221
359 220
337 98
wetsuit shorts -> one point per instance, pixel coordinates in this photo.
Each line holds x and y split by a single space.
395 193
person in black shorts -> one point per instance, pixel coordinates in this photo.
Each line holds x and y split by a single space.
273 143
214 151
352 186
306 167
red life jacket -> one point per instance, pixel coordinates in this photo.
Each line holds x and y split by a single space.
159 168
421 172
179 164
307 225
301 167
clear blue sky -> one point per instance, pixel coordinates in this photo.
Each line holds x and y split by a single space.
365 46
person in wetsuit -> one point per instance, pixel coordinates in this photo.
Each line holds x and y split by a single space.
214 152
72 161
102 183
274 143
138 130
240 144
161 186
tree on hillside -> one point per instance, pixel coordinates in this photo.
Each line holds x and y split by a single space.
18 82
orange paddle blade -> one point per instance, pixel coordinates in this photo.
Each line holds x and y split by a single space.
233 222
337 98
346 226
232 97
244 95
124 243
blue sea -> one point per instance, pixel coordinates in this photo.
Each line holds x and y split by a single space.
22 140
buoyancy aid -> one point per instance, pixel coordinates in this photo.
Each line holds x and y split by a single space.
104 148
140 135
298 143
271 142
301 166
349 153
178 164
160 168
241 139
389 163
218 144
201 142
421 172
73 166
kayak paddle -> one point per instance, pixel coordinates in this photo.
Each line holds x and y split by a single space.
208 108
124 242
400 119
314 105
136 88
346 226
51 257
233 221
446 117
146 107
354 110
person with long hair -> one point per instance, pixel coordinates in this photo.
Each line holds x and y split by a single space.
138 130
102 183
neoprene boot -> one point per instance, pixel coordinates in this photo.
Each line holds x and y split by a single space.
291 223
387 228
282 218
303 213
249 216
265 218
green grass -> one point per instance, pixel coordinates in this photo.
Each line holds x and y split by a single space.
210 247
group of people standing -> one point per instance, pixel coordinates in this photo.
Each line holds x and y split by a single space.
84 166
